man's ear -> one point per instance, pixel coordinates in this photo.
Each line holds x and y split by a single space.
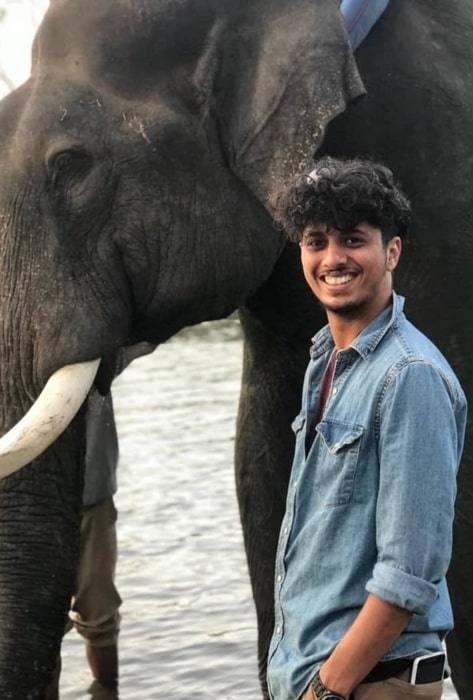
393 253
282 70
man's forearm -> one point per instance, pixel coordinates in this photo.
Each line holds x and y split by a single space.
374 630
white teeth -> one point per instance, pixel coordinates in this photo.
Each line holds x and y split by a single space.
343 279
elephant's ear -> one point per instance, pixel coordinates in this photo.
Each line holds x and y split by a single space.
284 69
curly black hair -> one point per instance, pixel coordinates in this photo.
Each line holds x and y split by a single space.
341 194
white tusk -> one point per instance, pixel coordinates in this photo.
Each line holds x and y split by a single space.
51 413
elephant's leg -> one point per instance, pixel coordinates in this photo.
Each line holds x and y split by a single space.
460 640
263 459
270 399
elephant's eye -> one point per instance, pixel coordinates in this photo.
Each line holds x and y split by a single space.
68 164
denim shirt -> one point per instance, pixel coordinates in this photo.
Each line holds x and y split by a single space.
370 506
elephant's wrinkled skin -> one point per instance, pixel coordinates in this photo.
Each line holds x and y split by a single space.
137 165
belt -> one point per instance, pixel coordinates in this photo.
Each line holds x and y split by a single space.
387 669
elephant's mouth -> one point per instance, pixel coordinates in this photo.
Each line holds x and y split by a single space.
53 410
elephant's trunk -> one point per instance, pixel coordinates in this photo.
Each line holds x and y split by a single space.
40 508
49 416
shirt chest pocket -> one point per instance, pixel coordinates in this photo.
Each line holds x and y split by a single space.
338 453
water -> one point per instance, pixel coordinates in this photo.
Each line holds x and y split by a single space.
188 627
188 619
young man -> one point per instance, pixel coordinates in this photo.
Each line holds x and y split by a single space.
366 540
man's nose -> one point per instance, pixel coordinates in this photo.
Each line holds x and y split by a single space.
335 253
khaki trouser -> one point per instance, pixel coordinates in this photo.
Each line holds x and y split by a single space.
94 607
397 688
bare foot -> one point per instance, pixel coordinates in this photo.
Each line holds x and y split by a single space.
98 692
103 662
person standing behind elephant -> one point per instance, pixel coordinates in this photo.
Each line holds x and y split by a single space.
365 543
95 605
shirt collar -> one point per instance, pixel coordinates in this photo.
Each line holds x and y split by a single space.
369 338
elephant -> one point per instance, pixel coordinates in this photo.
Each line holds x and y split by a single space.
139 168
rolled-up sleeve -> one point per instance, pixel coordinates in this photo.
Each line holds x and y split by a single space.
420 424
401 589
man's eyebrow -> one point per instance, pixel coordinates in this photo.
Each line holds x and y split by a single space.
352 229
315 229
355 229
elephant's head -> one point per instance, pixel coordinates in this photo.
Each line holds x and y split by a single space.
137 166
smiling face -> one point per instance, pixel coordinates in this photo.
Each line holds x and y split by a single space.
349 272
